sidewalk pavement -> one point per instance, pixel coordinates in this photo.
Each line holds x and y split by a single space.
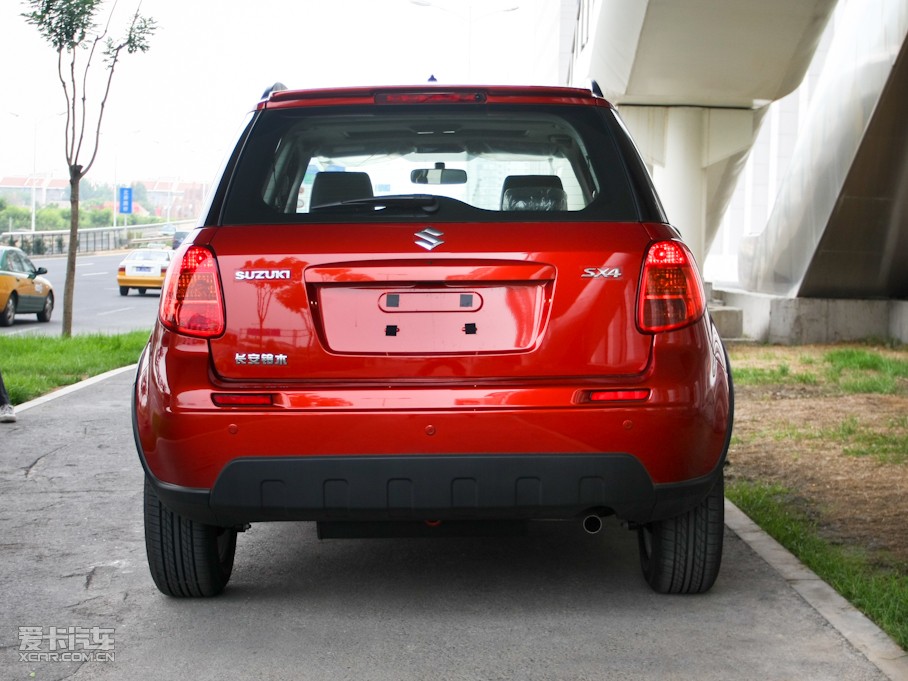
93 419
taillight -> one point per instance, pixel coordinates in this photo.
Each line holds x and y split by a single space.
191 302
671 293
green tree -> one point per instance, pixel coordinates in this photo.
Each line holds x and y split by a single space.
16 218
49 218
140 194
71 29
98 192
101 217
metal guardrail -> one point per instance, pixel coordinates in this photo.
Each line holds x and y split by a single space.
91 239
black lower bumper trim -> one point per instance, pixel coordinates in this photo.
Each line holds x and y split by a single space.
433 487
371 529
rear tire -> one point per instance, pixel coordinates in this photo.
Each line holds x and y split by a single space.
124 290
48 310
141 291
682 555
8 313
186 559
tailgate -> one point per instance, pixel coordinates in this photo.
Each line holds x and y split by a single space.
417 308
333 303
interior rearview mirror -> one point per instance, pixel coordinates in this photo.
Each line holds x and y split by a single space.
438 176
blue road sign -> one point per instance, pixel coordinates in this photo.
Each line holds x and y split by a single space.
125 200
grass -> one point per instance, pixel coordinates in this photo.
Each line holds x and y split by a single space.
873 583
780 374
851 370
873 370
859 370
35 365
879 591
887 446
856 439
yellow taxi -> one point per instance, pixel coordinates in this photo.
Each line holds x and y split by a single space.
22 288
143 269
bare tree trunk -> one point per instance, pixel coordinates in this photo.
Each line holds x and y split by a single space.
69 288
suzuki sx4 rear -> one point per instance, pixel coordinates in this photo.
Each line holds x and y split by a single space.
420 310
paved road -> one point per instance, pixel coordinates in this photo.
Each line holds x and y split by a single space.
99 307
556 604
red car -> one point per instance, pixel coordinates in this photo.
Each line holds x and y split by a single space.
418 310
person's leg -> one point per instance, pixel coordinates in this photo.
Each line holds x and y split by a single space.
7 414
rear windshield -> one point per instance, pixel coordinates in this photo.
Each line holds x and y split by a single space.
454 162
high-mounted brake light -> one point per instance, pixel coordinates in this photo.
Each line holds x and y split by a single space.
430 97
671 294
191 301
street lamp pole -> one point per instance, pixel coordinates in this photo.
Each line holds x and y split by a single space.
34 170
33 180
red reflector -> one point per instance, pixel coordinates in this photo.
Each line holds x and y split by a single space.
429 97
618 395
242 400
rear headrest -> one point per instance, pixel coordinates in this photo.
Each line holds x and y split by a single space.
333 187
523 181
534 198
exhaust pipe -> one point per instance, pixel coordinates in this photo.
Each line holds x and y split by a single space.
592 524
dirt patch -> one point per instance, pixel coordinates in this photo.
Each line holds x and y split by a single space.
820 444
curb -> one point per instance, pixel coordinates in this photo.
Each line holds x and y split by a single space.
75 387
863 634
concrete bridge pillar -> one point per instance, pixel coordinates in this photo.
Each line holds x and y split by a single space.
681 179
694 155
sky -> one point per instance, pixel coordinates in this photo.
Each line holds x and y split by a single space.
175 111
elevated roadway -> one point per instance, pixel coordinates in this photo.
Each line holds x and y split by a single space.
693 80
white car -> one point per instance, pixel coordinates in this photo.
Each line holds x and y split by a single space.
143 269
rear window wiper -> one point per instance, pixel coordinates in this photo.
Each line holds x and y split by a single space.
426 202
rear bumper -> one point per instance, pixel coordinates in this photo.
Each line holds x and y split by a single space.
433 487
535 453
141 282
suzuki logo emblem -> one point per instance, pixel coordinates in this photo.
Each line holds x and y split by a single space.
428 238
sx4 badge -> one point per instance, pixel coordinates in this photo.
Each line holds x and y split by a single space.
601 273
